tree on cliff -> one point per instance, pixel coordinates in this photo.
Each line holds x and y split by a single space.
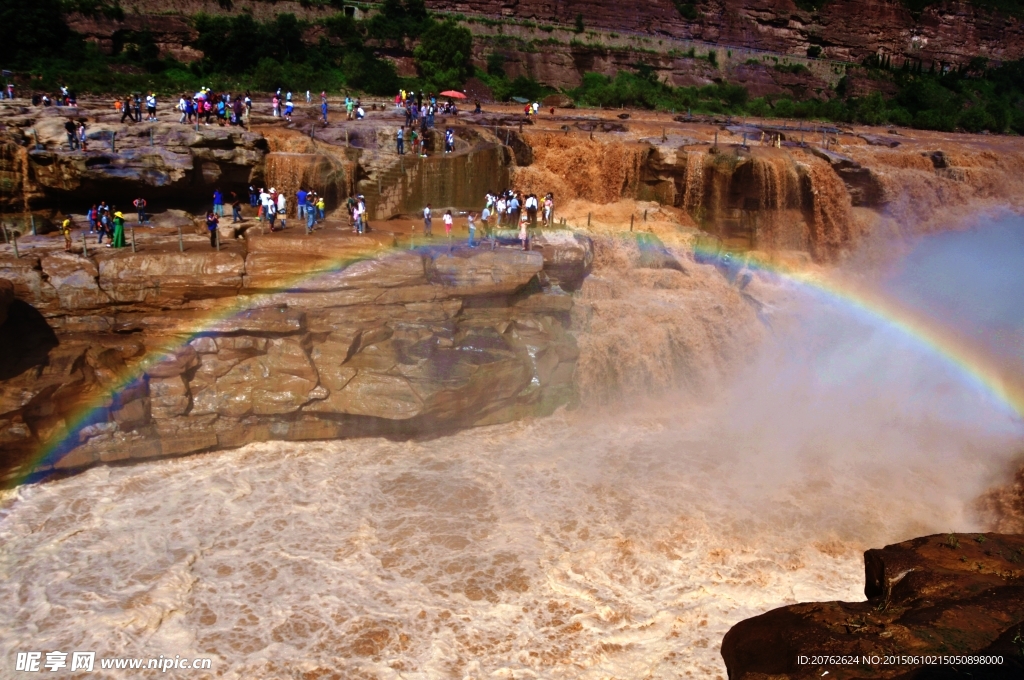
442 57
32 29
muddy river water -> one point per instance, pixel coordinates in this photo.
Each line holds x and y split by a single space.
612 541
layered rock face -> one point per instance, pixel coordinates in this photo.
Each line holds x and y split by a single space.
157 160
937 596
849 30
132 355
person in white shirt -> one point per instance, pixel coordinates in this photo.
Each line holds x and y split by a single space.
427 221
361 214
282 208
265 204
499 207
183 107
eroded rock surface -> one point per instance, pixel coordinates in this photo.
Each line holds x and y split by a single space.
940 595
283 336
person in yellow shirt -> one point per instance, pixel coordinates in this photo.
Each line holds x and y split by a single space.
320 205
65 231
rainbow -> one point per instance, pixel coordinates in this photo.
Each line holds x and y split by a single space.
968 360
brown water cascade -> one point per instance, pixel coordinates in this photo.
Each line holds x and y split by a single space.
324 174
577 167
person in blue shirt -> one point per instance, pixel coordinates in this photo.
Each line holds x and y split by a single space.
218 203
300 203
323 111
400 139
310 211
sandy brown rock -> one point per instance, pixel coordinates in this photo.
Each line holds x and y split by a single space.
165 277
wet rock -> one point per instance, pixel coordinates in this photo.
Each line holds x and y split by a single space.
279 381
169 277
955 594
468 271
75 280
568 256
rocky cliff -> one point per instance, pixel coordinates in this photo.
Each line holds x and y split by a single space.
847 30
160 352
950 32
930 602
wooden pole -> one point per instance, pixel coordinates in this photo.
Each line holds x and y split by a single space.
133 238
7 239
181 242
32 219
85 246
588 220
631 223
14 242
216 238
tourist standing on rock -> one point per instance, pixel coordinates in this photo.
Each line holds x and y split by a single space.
93 216
323 110
300 204
65 231
531 210
472 230
69 126
218 203
400 141
140 205
514 210
82 141
183 107
211 226
238 110
448 222
236 208
427 221
273 106
549 209
320 207
137 107
126 109
501 206
308 98
118 240
151 107
485 217
414 139
282 209
357 215
288 108
523 232
272 214
350 208
449 140
104 222
310 211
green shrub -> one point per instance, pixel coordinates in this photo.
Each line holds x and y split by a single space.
442 57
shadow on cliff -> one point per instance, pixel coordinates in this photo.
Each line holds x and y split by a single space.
26 338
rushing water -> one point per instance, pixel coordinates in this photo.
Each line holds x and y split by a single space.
620 541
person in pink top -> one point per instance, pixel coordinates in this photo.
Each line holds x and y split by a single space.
448 221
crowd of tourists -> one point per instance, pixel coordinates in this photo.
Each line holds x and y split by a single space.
504 210
205 106
106 220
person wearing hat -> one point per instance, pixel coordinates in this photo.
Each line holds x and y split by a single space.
118 240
